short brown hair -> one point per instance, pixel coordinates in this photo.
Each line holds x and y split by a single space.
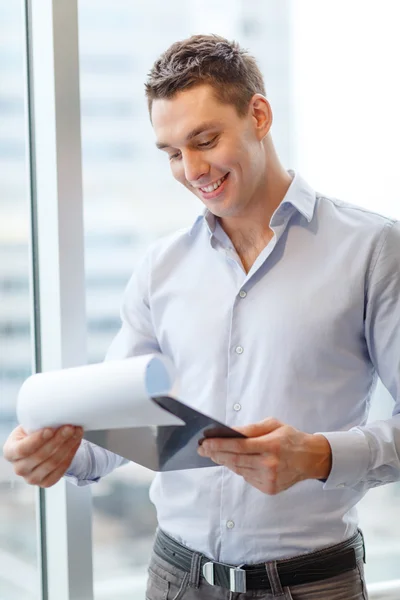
228 68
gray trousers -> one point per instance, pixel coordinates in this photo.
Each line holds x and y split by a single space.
166 582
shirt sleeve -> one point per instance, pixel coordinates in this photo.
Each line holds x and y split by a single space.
92 462
369 456
135 338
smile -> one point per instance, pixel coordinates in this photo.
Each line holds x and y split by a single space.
214 186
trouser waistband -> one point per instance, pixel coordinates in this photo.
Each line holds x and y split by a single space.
306 568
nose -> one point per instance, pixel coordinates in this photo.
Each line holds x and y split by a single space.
195 167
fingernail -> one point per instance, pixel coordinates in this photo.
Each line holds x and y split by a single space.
66 431
200 451
47 433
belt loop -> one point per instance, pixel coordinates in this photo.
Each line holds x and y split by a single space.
363 544
273 576
194 577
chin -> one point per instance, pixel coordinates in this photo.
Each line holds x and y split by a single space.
225 211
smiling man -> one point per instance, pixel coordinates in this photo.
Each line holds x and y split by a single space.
280 307
214 151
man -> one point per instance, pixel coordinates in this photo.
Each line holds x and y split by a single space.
279 307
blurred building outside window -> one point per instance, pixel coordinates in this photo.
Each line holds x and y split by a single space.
19 572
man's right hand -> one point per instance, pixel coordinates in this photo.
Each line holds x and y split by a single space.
43 457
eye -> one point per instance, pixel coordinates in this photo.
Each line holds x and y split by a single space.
175 156
206 144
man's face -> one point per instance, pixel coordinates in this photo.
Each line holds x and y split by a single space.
212 151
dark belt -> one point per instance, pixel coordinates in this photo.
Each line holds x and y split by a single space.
306 568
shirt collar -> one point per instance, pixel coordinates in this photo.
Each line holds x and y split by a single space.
209 219
300 195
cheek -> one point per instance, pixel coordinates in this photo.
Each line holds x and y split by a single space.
177 173
239 162
226 160
250 169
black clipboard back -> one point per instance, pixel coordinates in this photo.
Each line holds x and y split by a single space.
167 447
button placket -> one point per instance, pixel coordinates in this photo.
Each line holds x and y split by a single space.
233 406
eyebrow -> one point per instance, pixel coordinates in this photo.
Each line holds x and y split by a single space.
192 134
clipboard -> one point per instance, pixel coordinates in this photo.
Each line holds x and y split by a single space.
165 447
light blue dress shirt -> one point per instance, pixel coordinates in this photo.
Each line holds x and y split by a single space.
302 337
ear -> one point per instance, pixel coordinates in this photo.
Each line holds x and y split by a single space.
261 114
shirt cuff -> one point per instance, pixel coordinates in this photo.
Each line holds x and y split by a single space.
79 482
79 470
350 458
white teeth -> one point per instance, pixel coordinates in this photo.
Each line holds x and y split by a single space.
213 186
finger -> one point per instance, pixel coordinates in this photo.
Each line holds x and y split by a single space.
261 428
256 445
18 433
24 466
56 464
233 445
59 472
228 459
268 443
20 444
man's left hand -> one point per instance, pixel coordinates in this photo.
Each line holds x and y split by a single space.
273 456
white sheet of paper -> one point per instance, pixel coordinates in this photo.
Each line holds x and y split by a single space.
109 395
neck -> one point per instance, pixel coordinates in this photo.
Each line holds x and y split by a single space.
252 227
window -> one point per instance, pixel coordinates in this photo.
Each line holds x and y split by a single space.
347 151
19 575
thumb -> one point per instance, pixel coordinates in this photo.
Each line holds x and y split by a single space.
261 428
18 433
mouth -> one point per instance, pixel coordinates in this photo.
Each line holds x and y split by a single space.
214 189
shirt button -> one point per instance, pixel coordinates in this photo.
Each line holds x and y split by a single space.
237 406
341 485
242 294
230 524
239 350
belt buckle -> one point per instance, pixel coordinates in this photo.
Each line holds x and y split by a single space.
237 576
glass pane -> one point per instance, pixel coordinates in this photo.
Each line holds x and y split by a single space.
18 541
335 89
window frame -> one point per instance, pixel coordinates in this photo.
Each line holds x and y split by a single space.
64 512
